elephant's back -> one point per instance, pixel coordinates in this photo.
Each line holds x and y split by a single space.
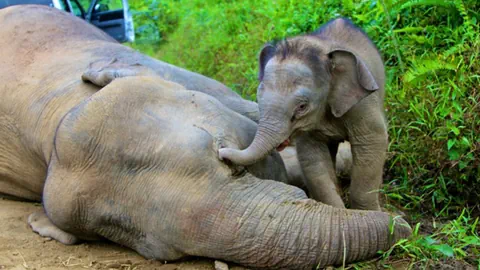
40 43
34 27
43 50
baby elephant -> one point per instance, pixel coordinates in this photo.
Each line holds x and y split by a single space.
321 89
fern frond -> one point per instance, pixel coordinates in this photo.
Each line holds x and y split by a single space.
461 9
412 3
466 19
409 29
422 67
460 47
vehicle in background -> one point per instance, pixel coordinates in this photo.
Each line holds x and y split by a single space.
112 16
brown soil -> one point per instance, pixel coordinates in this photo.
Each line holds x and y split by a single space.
21 248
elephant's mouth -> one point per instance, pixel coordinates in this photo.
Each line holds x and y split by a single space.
283 145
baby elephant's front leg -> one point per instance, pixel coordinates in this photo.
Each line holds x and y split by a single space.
367 171
317 165
368 154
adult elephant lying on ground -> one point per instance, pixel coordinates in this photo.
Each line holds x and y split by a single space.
136 162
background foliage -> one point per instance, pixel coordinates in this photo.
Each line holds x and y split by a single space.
431 51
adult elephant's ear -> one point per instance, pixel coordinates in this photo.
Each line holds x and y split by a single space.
351 81
104 72
267 52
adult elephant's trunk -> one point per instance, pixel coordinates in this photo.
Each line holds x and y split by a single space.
273 130
266 224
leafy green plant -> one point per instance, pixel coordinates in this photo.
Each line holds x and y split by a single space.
458 239
153 21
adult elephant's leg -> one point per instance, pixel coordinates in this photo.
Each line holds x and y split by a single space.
317 165
104 72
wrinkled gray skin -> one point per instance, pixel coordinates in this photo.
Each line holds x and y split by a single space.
136 161
321 89
113 65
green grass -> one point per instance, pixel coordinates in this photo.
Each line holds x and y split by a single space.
455 241
431 51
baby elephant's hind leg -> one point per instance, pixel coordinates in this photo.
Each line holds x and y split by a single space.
315 158
42 225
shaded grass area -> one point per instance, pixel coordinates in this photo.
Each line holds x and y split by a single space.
431 51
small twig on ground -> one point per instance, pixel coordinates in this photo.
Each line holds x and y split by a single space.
344 249
23 258
67 262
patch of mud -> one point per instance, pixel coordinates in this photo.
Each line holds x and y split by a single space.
21 248
450 264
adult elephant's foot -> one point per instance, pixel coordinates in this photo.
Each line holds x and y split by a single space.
102 73
42 225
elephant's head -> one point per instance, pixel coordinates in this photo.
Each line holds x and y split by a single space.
304 81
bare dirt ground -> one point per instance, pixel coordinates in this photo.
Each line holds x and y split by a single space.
21 248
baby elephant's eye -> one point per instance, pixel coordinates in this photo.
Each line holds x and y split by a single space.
302 107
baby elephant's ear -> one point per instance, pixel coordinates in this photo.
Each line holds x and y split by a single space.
351 81
267 52
103 72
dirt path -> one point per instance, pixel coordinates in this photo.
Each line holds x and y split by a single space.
21 248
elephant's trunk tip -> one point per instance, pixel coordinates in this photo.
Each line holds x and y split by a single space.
236 156
400 229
